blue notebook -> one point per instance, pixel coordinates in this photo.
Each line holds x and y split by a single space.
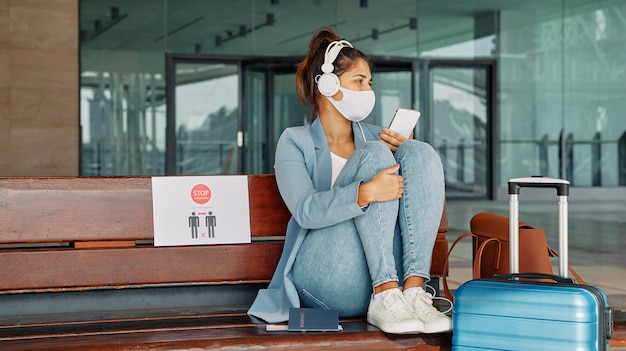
313 319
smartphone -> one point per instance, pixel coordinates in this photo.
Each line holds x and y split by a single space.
404 121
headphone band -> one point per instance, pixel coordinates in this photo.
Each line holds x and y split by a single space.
328 82
332 51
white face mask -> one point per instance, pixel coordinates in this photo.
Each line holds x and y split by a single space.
355 104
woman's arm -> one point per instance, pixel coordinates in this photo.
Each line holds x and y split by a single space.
309 207
384 186
317 209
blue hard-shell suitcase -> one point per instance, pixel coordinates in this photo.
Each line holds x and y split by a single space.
506 313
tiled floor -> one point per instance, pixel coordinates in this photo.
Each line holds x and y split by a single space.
597 239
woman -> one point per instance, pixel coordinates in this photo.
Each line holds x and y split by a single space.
365 202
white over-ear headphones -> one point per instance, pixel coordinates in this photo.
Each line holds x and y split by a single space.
328 82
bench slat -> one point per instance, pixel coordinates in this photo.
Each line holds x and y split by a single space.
236 332
58 270
70 269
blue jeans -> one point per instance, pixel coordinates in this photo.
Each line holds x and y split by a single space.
338 266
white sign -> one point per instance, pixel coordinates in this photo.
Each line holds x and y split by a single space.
200 210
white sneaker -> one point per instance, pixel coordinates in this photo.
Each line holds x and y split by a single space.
422 304
392 314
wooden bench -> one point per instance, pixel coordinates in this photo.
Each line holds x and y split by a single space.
78 270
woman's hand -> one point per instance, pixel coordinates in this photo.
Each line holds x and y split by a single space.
384 186
392 139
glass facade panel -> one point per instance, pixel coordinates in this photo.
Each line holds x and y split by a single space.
122 124
206 118
457 29
460 120
560 75
122 95
561 90
594 80
393 90
530 95
255 135
287 110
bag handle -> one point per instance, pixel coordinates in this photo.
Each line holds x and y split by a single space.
478 259
446 289
476 264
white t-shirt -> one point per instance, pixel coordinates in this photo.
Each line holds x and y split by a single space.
337 165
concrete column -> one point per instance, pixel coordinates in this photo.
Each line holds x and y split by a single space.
39 82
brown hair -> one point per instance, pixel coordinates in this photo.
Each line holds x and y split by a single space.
311 66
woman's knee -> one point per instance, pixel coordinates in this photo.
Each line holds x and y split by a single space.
422 152
367 160
377 150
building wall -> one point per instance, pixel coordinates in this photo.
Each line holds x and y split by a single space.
39 113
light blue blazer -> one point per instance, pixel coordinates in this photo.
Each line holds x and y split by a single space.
303 172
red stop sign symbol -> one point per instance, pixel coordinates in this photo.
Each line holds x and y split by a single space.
200 194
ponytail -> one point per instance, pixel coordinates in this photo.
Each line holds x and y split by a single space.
311 66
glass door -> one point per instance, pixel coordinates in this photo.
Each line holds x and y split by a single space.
203 122
271 105
460 105
256 121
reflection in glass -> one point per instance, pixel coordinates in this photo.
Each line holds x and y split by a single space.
459 110
206 118
256 121
560 70
561 94
288 111
393 90
122 124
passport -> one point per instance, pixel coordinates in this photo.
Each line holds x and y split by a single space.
313 319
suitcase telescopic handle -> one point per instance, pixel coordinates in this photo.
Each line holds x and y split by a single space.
562 190
561 185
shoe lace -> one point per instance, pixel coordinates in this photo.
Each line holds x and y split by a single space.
396 305
428 298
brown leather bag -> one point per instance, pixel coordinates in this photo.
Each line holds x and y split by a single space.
491 249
